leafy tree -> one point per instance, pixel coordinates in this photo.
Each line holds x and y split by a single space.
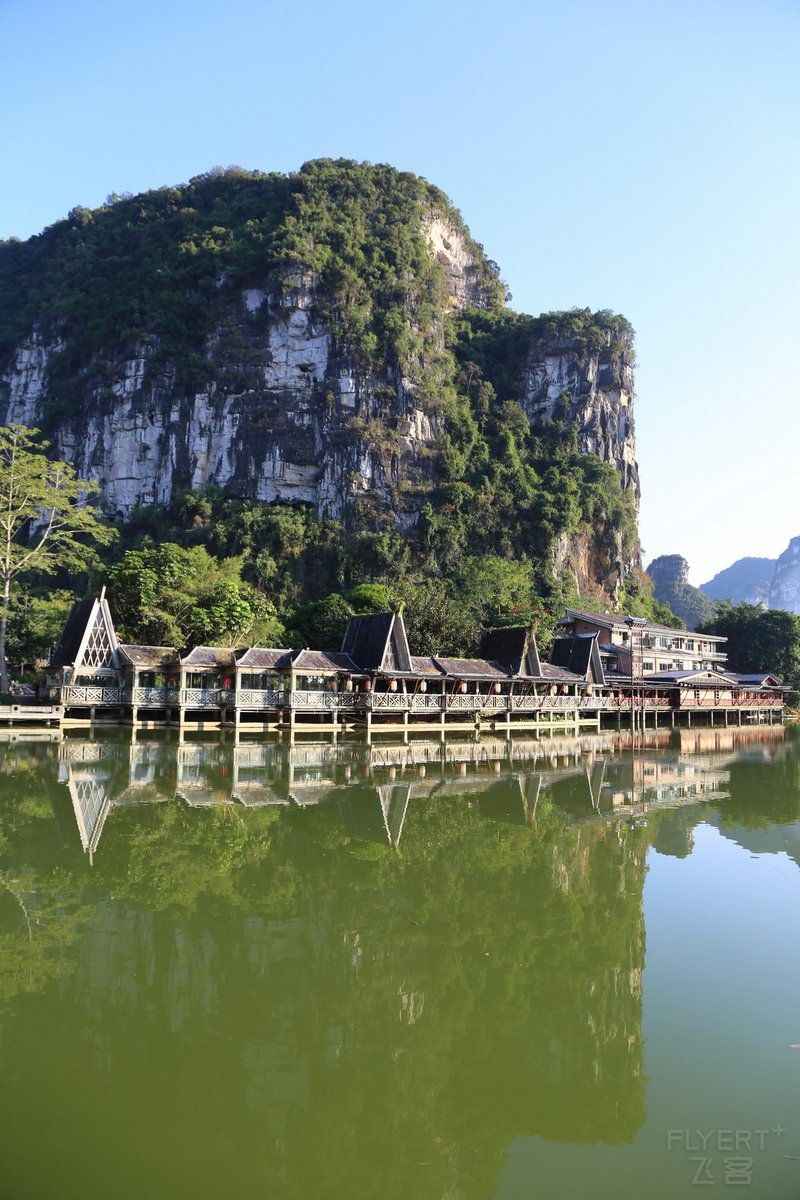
436 621
759 640
498 590
35 623
44 524
321 624
370 598
176 596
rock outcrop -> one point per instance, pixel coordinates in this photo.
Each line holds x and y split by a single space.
784 591
670 576
287 381
592 391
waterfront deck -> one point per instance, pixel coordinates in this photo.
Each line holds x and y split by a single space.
374 683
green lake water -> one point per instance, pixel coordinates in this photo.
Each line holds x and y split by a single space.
523 970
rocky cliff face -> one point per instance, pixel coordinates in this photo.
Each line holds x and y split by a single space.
784 591
592 391
307 384
285 416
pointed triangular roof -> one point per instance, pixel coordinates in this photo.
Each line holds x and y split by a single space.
579 653
378 642
90 803
514 649
88 638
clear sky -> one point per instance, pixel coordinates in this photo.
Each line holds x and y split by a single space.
628 154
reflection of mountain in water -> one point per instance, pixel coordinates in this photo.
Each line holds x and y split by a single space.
323 967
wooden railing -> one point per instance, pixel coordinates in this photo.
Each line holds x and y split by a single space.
158 697
206 697
255 699
81 695
264 698
320 701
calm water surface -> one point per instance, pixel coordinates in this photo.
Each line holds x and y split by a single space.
516 970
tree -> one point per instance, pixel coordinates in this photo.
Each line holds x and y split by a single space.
759 640
45 523
176 596
498 590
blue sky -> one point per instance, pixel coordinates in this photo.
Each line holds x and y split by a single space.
636 156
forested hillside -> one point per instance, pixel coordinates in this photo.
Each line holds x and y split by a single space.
315 379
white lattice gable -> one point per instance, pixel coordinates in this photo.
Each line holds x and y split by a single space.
90 803
99 645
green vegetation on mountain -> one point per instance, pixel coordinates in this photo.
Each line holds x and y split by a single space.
671 586
162 266
470 525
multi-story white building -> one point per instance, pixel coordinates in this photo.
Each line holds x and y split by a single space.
638 647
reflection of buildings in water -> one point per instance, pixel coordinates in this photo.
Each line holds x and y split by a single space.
589 776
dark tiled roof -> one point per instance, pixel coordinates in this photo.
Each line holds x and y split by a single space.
365 639
211 656
618 620
471 668
265 658
514 649
72 634
572 653
559 674
377 641
507 646
424 666
322 660
150 656
765 678
711 677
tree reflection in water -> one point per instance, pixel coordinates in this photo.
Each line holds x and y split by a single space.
325 970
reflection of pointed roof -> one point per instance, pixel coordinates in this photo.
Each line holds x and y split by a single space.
363 815
378 642
90 803
394 798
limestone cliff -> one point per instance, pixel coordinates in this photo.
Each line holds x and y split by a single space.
670 576
288 339
592 390
784 591
286 415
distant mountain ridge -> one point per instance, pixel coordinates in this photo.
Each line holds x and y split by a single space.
772 582
748 579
